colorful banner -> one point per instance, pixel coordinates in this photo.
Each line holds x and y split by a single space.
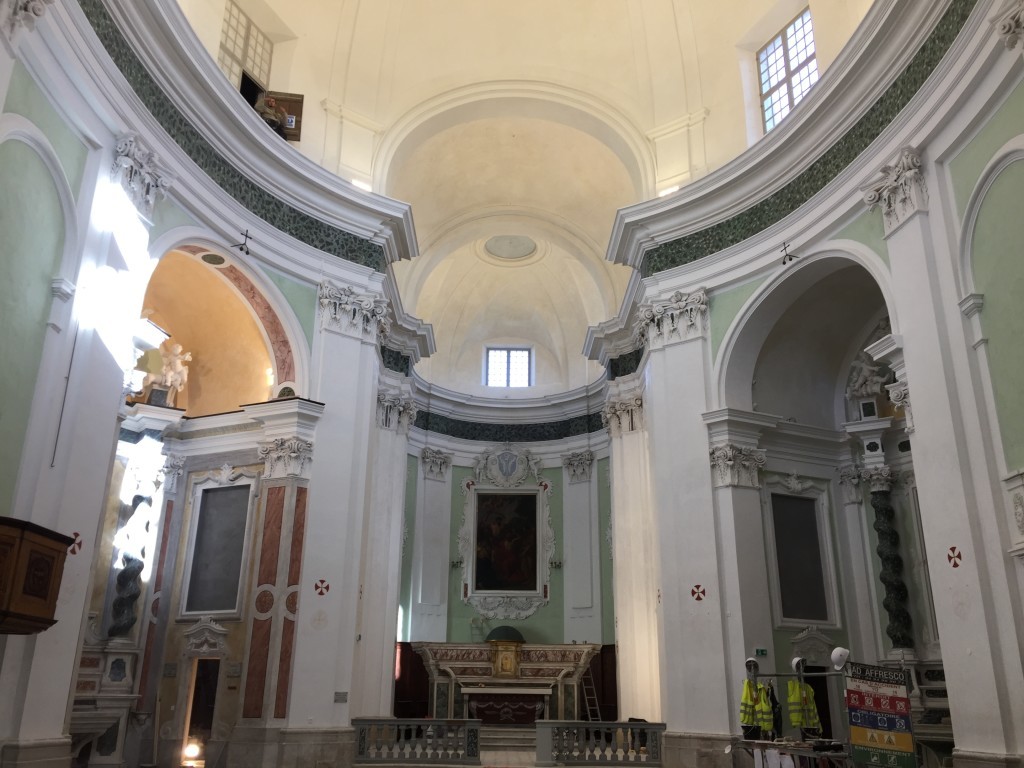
878 703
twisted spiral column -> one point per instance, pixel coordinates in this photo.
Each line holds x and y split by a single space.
899 627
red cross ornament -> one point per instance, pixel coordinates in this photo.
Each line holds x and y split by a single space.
322 587
76 545
698 592
954 556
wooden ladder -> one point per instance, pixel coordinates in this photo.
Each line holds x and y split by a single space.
590 697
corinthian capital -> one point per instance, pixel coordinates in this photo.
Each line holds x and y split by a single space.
16 14
620 416
683 315
1010 25
578 466
879 479
286 457
343 308
139 173
736 465
899 393
395 411
899 191
436 463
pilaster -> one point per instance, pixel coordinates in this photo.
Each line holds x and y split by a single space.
430 563
582 571
964 548
864 629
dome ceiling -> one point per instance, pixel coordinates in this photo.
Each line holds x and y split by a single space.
527 121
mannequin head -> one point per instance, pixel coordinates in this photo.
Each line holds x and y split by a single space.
752 668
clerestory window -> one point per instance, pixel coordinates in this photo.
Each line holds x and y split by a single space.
788 68
245 52
508 367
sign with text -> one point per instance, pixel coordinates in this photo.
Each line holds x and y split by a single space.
878 703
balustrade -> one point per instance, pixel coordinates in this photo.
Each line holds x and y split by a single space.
448 742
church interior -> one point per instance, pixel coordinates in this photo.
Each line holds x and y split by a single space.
388 376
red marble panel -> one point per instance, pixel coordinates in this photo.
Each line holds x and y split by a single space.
273 516
284 669
158 579
282 349
256 674
147 659
298 536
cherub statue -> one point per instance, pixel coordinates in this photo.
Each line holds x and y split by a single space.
175 372
865 377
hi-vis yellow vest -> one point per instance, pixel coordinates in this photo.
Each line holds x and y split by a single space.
802 711
755 708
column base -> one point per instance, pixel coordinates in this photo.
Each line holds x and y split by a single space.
688 750
963 759
52 753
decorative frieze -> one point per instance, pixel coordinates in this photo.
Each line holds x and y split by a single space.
579 465
506 466
395 411
1010 25
286 457
173 469
683 315
899 394
436 463
17 14
138 171
343 308
900 191
621 416
736 465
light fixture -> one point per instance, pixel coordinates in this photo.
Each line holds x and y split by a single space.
191 750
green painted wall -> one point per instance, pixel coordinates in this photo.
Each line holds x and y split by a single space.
724 306
24 98
405 598
168 215
33 232
545 626
604 517
867 229
966 168
999 275
301 297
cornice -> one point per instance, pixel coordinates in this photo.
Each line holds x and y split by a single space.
165 66
895 50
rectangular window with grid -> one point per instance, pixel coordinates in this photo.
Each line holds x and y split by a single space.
788 68
243 47
508 367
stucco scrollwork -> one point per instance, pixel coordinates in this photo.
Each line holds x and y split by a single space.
345 309
621 416
506 466
1010 25
736 465
286 457
138 171
578 465
436 463
899 394
683 315
15 14
205 638
173 469
849 481
395 411
900 191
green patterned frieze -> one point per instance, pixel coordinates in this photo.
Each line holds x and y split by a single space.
259 201
508 433
773 209
394 360
625 364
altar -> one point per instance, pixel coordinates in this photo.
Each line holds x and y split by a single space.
506 683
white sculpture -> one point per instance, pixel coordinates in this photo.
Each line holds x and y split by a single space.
174 373
866 378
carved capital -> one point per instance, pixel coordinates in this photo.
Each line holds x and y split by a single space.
900 190
736 465
849 480
578 465
1010 25
879 479
21 14
435 463
286 457
363 314
899 394
138 171
683 315
173 469
621 416
395 411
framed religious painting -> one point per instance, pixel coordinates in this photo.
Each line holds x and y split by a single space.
506 540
